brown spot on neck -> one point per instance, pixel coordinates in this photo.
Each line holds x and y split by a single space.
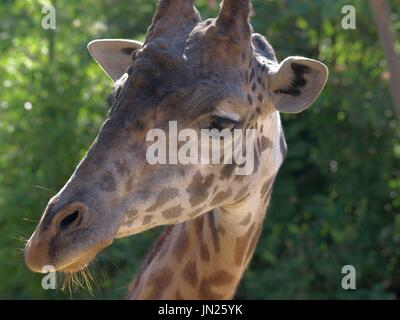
173 212
198 188
147 219
265 143
220 278
204 252
227 171
159 282
246 220
217 279
189 273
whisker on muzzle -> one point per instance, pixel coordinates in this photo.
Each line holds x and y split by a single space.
43 188
75 281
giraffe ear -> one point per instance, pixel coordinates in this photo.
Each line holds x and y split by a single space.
297 83
113 55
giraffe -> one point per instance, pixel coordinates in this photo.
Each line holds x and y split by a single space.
215 73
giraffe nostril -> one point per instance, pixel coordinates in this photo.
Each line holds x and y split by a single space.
69 220
70 216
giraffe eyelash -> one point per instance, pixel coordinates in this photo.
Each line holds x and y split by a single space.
220 123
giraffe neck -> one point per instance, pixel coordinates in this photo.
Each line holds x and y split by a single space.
205 258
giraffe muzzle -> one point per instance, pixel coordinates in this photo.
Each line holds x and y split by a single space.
64 240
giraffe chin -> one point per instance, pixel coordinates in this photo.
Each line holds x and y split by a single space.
84 259
77 265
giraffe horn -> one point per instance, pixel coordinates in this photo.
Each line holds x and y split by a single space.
234 18
171 15
182 8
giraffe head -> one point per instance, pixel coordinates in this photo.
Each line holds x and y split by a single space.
214 74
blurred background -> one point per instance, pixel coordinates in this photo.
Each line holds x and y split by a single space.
337 197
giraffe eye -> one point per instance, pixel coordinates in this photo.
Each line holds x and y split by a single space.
220 124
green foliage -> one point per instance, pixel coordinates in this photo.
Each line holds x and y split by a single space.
336 200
